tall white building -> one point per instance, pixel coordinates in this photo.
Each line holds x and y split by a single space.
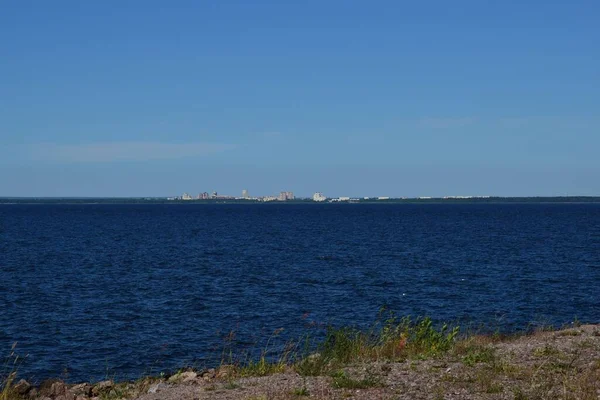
319 197
283 196
245 194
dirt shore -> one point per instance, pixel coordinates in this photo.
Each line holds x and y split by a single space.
562 364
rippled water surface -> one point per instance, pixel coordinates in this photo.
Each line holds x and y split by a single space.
91 290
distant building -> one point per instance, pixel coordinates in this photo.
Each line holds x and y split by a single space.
283 196
268 198
383 198
319 197
245 194
186 196
203 196
214 195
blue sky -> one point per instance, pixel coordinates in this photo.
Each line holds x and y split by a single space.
389 98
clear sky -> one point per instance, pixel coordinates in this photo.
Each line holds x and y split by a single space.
380 98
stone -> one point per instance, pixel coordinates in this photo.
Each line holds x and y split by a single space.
22 387
58 389
67 396
189 376
102 387
225 371
82 389
47 388
157 387
33 393
209 374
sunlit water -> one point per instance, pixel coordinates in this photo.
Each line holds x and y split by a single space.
96 290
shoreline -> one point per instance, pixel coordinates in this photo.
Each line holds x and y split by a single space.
403 361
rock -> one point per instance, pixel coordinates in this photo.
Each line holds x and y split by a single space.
157 387
225 371
58 389
189 376
81 390
81 398
47 388
102 387
209 374
33 393
184 377
22 387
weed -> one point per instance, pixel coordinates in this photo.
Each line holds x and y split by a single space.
485 379
262 367
519 395
390 340
439 393
494 388
546 351
303 391
342 381
9 372
570 332
118 392
478 355
313 365
269 362
505 368
231 385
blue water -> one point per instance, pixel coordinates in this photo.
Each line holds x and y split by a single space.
96 290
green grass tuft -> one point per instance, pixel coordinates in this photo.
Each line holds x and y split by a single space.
343 381
390 340
303 391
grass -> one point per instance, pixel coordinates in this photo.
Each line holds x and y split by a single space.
545 368
6 392
391 340
478 355
342 381
546 351
8 374
303 391
231 385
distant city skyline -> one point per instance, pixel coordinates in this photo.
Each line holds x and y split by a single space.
348 98
289 195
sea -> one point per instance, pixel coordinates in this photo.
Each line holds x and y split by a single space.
90 291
